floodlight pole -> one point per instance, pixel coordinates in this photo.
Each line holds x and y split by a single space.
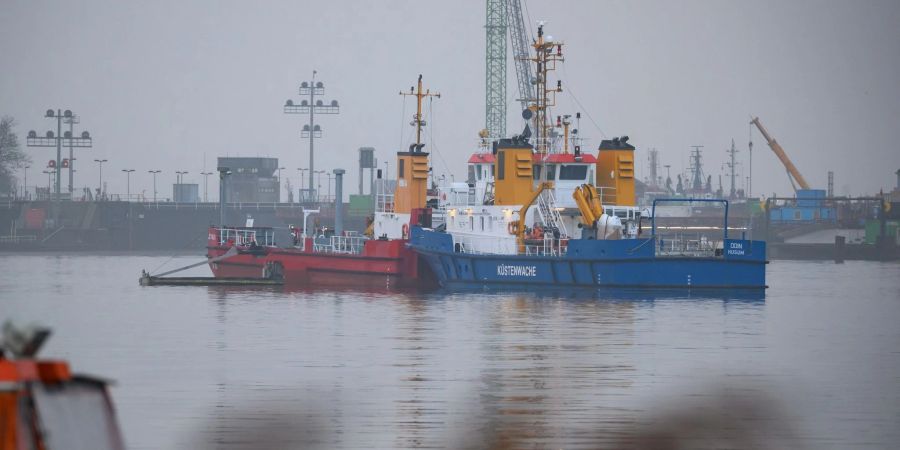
58 150
71 120
51 140
311 130
312 124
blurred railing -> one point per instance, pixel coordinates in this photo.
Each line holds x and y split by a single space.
694 245
351 244
549 246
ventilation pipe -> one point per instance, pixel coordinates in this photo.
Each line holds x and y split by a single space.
338 201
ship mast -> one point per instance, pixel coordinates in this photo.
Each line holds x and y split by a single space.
418 120
545 60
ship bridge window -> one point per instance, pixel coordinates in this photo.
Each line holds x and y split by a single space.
551 171
573 172
471 173
402 167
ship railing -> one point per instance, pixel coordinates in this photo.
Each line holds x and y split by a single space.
549 246
629 213
350 245
483 245
493 245
438 217
695 245
16 239
246 237
607 194
460 198
165 204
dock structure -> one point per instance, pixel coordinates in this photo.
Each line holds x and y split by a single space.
271 275
148 280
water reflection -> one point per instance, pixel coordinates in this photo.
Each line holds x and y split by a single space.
454 369
269 367
616 294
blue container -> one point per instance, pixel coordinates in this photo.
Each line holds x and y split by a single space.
810 198
790 214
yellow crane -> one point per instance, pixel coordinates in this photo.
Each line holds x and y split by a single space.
793 173
518 228
589 204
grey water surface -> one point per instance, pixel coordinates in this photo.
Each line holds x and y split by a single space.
813 364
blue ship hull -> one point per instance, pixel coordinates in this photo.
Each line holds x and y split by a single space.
595 263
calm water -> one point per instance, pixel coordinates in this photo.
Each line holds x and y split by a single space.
815 364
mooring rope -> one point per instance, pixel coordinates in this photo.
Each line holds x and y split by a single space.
192 242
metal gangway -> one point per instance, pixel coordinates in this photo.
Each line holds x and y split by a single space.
548 213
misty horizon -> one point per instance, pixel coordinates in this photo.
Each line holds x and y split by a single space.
171 86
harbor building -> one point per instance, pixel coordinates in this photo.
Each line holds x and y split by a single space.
252 180
186 192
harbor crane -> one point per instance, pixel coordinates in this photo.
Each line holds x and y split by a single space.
793 173
505 17
519 40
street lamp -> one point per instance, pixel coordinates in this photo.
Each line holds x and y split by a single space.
223 173
328 174
301 170
100 162
312 107
25 181
179 182
128 184
205 179
50 174
278 191
318 182
154 172
59 139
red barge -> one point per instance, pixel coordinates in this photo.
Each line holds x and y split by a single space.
345 259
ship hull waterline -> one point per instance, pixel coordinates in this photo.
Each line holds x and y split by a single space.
593 264
381 265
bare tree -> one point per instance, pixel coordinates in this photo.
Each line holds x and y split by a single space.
11 155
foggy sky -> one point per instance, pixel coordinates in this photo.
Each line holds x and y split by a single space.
161 84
